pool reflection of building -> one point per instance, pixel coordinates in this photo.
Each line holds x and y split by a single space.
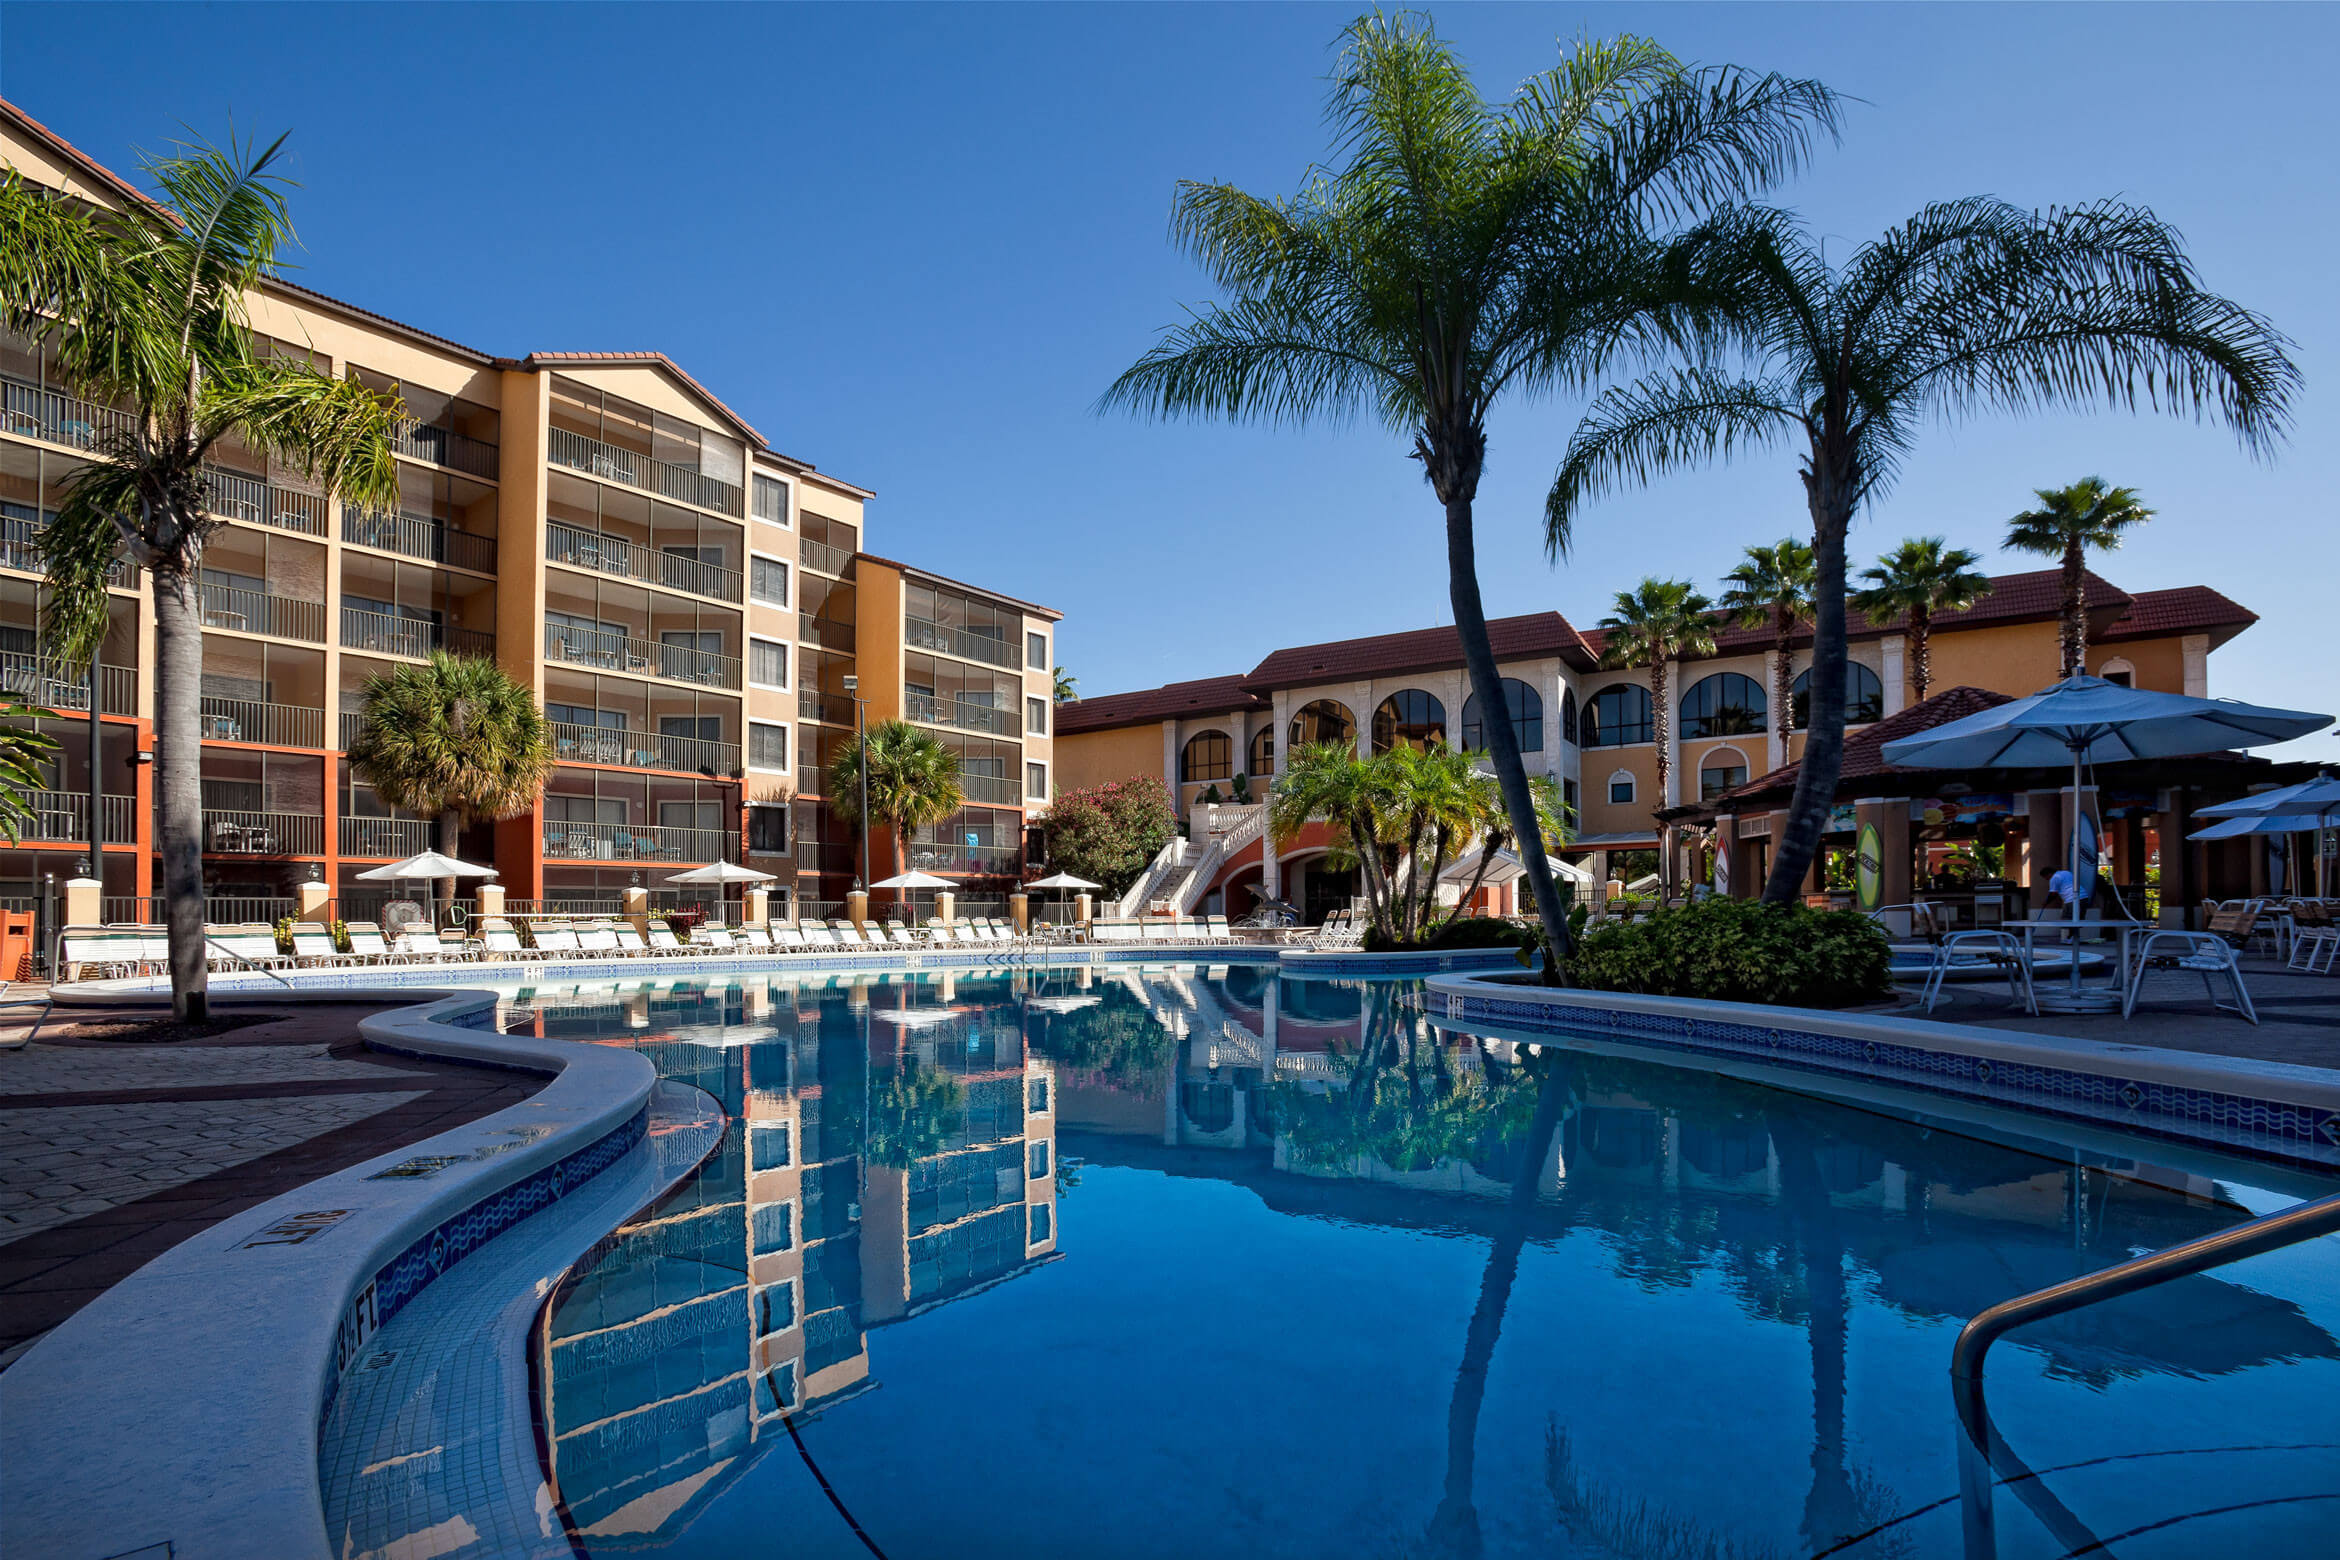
667 1361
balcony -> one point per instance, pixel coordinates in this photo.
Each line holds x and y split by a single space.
262 833
634 842
822 557
30 412
445 447
995 789
835 708
828 633
927 857
959 714
634 469
275 725
234 495
20 549
920 634
641 657
417 637
64 816
257 612
419 536
644 750
352 722
391 839
32 680
605 554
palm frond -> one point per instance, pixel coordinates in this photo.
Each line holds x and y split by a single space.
1269 359
1657 425
1710 136
335 431
25 757
78 545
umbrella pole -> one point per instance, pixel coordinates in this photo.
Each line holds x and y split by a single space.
2075 916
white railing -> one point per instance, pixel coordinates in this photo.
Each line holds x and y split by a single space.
1226 829
1166 863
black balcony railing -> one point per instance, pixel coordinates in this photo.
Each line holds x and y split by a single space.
238 833
823 557
417 637
634 842
643 749
30 679
278 725
926 857
635 469
612 652
992 651
20 548
419 536
445 447
960 714
828 633
996 789
391 839
35 413
258 612
64 815
835 708
606 554
236 495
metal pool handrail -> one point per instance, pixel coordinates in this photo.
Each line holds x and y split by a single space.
2269 1232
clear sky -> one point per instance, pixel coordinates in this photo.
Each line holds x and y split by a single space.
911 245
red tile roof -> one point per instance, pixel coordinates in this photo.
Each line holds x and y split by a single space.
1864 757
97 172
915 572
1417 650
1172 701
2189 609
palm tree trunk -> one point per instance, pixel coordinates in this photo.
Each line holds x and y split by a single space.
178 781
1663 730
1783 682
1831 493
447 834
1921 651
1519 803
2075 634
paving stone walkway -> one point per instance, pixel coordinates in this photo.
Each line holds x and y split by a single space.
2299 1016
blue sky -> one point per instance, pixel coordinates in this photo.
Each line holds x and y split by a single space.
912 244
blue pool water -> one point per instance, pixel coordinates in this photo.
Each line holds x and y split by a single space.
1168 1262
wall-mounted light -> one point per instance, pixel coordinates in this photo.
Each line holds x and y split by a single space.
135 759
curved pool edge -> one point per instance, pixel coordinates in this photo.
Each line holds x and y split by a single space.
2271 1110
183 1405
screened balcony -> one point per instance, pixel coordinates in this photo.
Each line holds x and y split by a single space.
262 804
259 583
608 626
29 673
619 441
408 610
634 725
443 429
262 500
262 693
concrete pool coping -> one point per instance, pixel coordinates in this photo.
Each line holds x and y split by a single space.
182 1407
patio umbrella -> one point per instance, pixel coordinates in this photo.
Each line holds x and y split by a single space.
2317 800
426 866
2088 720
1063 883
721 875
906 881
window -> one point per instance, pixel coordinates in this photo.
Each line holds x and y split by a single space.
1526 710
1036 1097
1262 760
1409 718
1209 756
1324 720
1569 802
776 1390
1568 716
1039 1223
768 581
1036 652
767 746
1036 780
1036 717
1864 696
775 1308
768 663
2119 672
1728 704
1036 1164
1620 788
771 499
775 1227
768 826
1617 716
1714 779
768 1145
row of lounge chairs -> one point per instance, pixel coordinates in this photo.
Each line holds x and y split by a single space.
1159 930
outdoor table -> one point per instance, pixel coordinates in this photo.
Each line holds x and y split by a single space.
2072 994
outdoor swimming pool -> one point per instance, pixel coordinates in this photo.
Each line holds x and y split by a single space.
1162 1261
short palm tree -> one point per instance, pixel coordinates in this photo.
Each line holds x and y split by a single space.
146 307
455 740
1970 306
1772 588
1328 780
1656 622
1067 687
1919 578
913 781
2068 522
1461 251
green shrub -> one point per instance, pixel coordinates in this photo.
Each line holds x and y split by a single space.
1736 950
1459 932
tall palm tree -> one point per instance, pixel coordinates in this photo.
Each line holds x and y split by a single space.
146 307
1772 588
455 740
1970 306
1919 578
1460 251
1656 622
1067 687
2068 522
913 781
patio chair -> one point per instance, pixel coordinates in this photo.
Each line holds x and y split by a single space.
313 945
663 942
816 933
901 936
501 940
754 939
2315 941
599 939
454 943
95 953
982 929
714 939
1219 930
2191 953
844 933
1981 950
2238 925
786 938
629 941
559 942
365 942
245 947
963 935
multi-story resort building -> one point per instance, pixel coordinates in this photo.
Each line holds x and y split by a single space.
697 612
1591 725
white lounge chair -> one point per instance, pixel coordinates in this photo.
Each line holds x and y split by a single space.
786 938
754 939
501 940
663 941
313 945
599 940
365 942
816 933
560 942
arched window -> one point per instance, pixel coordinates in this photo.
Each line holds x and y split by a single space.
1617 715
1720 769
1208 756
1408 718
1324 720
2120 671
1526 708
1728 704
1621 787
1262 758
1864 696
1568 715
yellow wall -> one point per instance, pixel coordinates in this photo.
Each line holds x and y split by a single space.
2160 663
1601 816
1091 758
520 566
877 637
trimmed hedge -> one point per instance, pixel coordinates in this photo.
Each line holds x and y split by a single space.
1472 931
1737 950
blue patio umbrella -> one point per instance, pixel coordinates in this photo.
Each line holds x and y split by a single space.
2316 802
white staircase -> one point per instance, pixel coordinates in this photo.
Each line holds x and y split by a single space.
1182 873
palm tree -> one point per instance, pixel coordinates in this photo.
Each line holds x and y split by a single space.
146 308
455 740
2066 524
1920 578
1067 687
1773 588
1970 306
25 759
1462 250
1328 780
913 781
1656 622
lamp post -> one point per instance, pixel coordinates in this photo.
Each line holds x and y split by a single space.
861 769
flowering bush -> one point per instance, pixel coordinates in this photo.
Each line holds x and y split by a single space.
1109 832
1735 950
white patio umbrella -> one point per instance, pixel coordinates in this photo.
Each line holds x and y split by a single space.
426 866
1063 883
721 875
2317 800
908 881
2090 721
